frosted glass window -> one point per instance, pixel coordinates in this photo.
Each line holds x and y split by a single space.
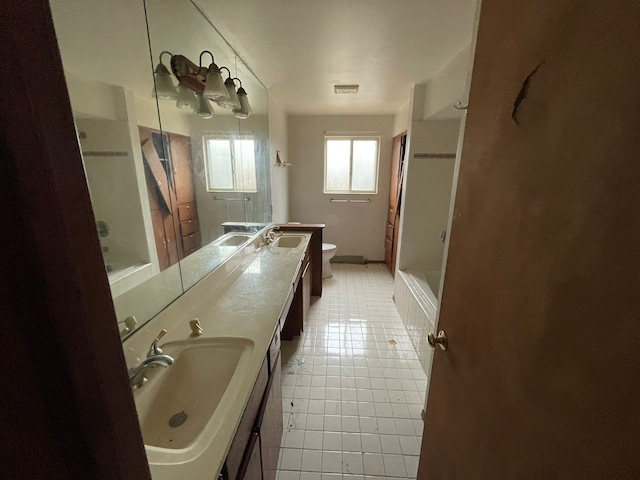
338 161
365 156
230 164
245 156
351 164
219 165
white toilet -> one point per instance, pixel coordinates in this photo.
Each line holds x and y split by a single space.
328 251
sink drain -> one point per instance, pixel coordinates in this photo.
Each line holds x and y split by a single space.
178 419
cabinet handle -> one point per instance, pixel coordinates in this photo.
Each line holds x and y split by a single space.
306 268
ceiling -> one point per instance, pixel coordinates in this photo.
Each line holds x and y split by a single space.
301 49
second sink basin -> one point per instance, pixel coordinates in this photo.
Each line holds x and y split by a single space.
288 241
232 239
178 402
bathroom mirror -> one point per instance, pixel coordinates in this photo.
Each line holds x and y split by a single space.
174 194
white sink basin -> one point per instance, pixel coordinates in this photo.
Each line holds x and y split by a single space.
232 240
195 393
288 241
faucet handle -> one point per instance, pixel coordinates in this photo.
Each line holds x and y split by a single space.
196 328
154 349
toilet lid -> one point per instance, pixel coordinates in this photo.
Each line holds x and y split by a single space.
328 246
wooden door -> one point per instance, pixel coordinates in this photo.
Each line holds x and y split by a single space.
181 156
541 300
393 214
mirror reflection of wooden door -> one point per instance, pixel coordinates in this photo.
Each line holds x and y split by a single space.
541 300
171 193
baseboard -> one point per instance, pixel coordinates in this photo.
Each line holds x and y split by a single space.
354 259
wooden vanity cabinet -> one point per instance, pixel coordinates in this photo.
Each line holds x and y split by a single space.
252 469
255 449
271 427
315 229
294 322
236 458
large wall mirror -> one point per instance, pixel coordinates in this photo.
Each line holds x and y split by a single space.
177 182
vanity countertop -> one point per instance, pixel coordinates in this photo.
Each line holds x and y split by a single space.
243 298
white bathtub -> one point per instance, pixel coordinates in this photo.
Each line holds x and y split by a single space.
416 297
123 277
429 283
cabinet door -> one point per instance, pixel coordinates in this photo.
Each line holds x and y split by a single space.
306 293
236 455
157 220
251 468
271 428
174 249
181 158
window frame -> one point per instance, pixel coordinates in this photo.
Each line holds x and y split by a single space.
232 148
352 138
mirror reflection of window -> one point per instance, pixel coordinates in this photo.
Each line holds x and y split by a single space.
230 164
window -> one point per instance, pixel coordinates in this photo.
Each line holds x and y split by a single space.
351 164
230 164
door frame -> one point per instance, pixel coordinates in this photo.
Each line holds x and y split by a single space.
65 382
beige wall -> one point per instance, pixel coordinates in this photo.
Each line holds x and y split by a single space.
279 175
402 118
356 229
448 86
427 192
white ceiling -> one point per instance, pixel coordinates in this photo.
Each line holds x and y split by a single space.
301 49
298 48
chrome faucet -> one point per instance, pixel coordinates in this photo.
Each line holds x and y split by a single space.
269 235
137 376
154 357
154 349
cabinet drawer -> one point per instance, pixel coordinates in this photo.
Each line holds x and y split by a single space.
186 211
190 243
389 230
188 227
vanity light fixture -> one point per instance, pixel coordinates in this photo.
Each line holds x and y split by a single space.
214 88
340 89
163 86
204 109
197 85
186 98
232 100
245 109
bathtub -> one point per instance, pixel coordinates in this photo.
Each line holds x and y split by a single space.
123 277
416 297
429 283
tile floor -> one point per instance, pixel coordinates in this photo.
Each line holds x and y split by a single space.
353 387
